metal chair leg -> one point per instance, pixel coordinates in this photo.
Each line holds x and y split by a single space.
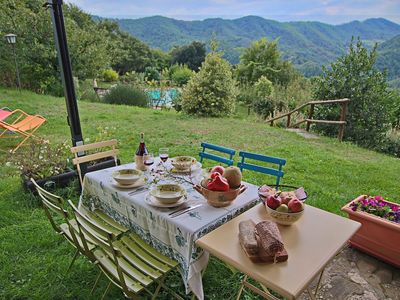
106 291
73 260
95 283
156 292
241 287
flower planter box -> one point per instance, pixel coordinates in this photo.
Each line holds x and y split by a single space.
62 180
377 236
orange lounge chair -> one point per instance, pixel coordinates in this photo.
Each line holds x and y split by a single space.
5 112
24 125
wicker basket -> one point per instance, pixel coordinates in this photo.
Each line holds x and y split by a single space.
220 199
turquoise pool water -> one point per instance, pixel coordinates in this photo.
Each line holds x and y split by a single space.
169 96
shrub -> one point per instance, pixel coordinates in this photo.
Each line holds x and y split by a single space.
125 94
353 76
263 104
177 101
181 74
392 144
263 107
151 73
41 160
263 87
134 78
212 91
246 94
109 75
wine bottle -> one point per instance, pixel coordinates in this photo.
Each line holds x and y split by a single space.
141 154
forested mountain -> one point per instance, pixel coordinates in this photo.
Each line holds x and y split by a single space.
307 44
389 57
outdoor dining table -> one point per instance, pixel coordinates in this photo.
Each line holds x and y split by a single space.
174 237
312 242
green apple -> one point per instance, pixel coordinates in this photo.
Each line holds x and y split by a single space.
283 208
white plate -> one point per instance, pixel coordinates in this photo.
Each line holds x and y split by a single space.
196 167
140 182
152 201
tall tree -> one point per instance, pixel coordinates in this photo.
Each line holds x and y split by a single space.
191 55
212 91
262 58
36 49
354 76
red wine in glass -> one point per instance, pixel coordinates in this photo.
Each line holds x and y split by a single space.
148 162
164 157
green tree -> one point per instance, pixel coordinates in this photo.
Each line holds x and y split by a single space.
353 76
212 91
36 48
191 55
262 58
180 74
127 53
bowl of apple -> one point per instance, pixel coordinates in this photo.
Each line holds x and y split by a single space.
285 209
221 186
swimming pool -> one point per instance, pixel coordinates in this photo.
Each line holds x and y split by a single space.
156 100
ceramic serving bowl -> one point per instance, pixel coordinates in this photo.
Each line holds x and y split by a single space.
183 162
219 199
127 176
168 193
284 218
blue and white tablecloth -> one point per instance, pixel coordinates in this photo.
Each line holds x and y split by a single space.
174 237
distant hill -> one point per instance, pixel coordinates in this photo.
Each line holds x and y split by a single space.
389 57
307 44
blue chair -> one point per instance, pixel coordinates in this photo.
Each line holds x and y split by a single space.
266 170
206 146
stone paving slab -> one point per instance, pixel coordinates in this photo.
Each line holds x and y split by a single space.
354 275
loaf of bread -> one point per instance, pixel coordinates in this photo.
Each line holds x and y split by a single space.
247 237
259 258
270 239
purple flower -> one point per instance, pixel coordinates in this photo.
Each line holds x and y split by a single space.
377 206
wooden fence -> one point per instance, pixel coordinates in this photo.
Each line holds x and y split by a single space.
342 121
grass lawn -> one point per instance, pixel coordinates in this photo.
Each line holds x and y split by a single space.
34 259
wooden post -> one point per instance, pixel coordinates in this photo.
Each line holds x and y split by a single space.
343 114
310 115
288 121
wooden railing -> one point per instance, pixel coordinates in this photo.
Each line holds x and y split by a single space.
342 122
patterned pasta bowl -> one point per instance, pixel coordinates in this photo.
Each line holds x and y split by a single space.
126 176
183 162
168 193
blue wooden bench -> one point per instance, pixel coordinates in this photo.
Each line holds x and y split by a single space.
278 173
228 151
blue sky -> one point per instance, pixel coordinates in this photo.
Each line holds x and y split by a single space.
328 11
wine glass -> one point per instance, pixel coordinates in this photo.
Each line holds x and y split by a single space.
163 152
148 160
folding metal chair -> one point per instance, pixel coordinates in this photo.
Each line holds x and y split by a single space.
278 173
227 151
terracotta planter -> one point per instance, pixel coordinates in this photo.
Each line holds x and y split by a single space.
377 236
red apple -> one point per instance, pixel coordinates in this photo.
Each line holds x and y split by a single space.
286 197
295 205
218 169
273 201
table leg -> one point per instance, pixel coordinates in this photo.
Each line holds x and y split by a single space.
314 295
265 294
